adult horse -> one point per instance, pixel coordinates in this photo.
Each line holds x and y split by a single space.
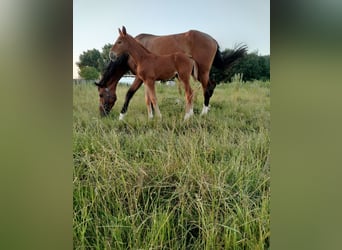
152 67
203 49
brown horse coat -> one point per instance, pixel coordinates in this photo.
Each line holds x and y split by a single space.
203 49
151 67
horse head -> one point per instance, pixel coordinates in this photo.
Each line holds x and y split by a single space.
107 98
109 80
120 46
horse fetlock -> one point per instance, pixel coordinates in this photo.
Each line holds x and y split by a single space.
121 116
188 114
205 110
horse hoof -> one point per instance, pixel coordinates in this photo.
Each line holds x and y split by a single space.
121 117
205 110
188 115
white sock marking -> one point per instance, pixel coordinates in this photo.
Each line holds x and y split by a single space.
122 116
205 110
189 114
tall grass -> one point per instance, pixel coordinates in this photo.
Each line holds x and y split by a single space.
169 184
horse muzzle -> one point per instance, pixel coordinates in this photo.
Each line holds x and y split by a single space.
103 111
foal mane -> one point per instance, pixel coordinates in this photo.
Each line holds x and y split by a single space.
138 43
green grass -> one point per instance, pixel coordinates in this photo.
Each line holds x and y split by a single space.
170 184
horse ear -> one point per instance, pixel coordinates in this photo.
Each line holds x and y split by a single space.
120 32
99 84
124 30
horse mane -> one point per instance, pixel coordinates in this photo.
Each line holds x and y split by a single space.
226 61
112 68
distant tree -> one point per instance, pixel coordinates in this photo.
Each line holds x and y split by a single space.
252 67
265 67
104 59
89 73
89 58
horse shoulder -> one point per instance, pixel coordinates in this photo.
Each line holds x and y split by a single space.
132 65
146 71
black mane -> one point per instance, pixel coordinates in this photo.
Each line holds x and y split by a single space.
112 68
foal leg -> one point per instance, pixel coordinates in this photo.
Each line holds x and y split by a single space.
188 98
148 102
131 91
152 96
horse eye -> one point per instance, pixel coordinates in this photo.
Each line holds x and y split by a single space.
101 95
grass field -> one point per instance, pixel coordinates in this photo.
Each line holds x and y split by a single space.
170 184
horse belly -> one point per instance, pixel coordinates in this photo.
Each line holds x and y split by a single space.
166 75
163 68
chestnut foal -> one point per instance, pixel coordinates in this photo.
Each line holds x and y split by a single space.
152 67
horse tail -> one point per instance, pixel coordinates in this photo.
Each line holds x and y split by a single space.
194 69
225 61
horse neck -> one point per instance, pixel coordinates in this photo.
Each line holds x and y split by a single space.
137 51
112 79
114 71
116 76
112 84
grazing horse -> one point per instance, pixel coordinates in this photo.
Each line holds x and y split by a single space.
108 82
151 67
203 49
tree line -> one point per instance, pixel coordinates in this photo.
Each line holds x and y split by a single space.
92 64
249 68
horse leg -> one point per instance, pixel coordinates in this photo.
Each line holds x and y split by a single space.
188 98
207 95
148 102
152 97
208 89
131 91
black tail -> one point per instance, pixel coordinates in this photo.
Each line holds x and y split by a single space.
222 61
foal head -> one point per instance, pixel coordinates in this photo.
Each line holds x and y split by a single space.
107 98
121 45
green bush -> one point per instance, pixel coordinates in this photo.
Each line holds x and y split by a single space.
89 73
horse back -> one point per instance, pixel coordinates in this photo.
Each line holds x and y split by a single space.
200 46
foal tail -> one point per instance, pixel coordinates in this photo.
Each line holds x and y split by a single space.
225 61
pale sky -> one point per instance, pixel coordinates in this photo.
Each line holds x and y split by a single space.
229 22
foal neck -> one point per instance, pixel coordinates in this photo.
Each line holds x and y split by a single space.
137 50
